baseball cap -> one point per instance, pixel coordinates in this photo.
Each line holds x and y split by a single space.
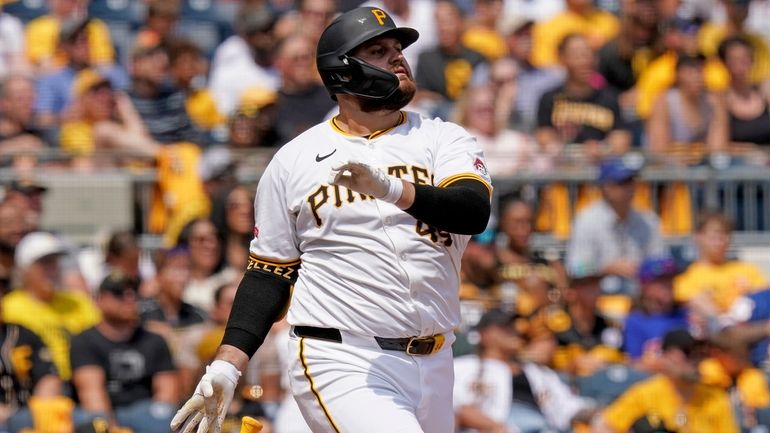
116 283
585 272
254 99
494 317
86 80
616 170
36 245
27 186
653 268
679 339
512 23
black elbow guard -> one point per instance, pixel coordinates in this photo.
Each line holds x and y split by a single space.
462 207
261 299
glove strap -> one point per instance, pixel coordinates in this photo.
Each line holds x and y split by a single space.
226 369
395 190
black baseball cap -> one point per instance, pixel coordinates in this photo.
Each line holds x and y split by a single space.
680 339
27 186
117 283
494 317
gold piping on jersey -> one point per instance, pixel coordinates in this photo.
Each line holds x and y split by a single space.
287 270
312 385
373 135
462 176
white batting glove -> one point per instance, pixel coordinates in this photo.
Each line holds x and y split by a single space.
208 405
365 179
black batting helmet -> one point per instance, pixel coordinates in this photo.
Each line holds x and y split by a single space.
344 74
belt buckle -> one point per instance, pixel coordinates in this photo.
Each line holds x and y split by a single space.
418 346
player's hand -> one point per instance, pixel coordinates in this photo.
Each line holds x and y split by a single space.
368 180
207 407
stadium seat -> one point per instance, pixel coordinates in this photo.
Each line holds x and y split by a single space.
204 23
606 385
26 10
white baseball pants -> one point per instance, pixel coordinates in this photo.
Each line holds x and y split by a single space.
357 387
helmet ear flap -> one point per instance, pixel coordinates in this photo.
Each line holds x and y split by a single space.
368 80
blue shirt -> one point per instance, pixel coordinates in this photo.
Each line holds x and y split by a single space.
54 91
642 330
754 307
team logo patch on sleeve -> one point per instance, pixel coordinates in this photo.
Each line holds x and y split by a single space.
480 167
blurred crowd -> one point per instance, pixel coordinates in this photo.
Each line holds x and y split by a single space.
620 333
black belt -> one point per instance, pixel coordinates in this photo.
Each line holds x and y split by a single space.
410 345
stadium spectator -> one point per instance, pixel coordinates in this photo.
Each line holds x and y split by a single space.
587 342
12 46
678 37
166 313
188 70
40 304
19 133
748 105
245 59
516 260
481 34
580 17
55 88
302 101
610 235
27 194
506 150
42 36
102 119
417 14
712 33
159 25
673 400
747 384
309 20
12 229
120 371
161 105
121 255
532 81
27 373
656 312
686 117
253 123
234 216
622 58
713 282
198 344
578 112
445 70
202 239
496 391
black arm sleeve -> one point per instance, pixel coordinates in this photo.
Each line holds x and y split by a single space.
462 207
260 300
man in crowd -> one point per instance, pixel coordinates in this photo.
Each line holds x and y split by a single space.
672 401
120 371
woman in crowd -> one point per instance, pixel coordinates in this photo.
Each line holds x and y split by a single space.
747 104
687 114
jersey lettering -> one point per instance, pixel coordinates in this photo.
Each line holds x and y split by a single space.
435 235
285 270
341 195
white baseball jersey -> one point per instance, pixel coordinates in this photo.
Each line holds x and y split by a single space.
366 266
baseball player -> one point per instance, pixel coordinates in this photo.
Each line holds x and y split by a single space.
361 222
